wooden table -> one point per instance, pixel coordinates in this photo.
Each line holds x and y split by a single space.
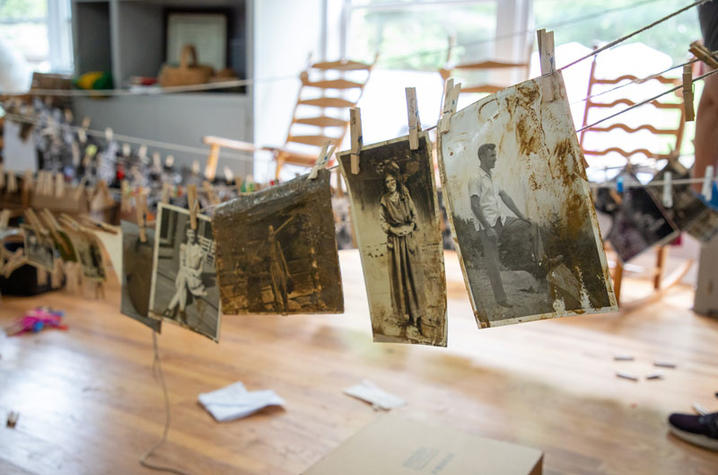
88 402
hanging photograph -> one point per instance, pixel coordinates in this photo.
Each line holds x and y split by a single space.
39 249
521 209
277 251
184 280
689 213
137 259
396 220
639 223
88 253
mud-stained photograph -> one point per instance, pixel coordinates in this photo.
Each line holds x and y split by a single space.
639 222
689 213
39 249
137 259
277 250
184 280
521 208
396 220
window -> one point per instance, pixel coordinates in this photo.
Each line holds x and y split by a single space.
40 30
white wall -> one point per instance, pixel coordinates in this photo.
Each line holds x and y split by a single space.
285 32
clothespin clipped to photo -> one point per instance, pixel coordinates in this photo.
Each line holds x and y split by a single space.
688 93
27 187
356 138
547 55
210 169
109 134
193 205
707 188
2 176
142 152
126 150
195 168
4 218
59 185
619 184
141 210
11 185
125 193
451 99
228 175
169 161
322 160
209 191
157 161
668 190
412 112
165 198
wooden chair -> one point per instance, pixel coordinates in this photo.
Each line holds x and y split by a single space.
659 143
466 69
321 114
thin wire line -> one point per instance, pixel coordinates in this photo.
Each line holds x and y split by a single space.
710 73
634 33
138 140
159 374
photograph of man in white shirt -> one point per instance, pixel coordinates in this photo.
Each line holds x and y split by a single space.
490 220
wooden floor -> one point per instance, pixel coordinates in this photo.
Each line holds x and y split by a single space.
88 402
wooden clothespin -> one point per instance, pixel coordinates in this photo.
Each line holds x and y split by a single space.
27 187
34 222
157 161
11 185
169 161
142 152
356 137
82 136
451 98
668 190
126 150
86 121
688 93
4 218
412 112
228 175
195 168
75 150
141 209
68 115
2 176
80 190
59 185
125 192
547 56
703 54
707 188
109 134
165 198
193 205
210 170
209 191
326 152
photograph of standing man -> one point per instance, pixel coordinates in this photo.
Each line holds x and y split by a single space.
490 221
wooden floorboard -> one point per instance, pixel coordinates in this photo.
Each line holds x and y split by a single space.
88 402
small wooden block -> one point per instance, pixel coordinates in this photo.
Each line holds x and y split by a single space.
664 364
653 377
623 358
413 118
688 93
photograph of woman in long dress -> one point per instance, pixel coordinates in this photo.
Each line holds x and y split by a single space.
396 222
399 221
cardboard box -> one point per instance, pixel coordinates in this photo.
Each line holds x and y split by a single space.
394 445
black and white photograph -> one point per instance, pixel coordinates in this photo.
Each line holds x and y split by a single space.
277 250
521 207
396 220
688 211
137 259
184 281
89 254
39 249
639 223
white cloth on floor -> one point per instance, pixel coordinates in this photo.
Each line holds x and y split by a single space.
374 395
234 402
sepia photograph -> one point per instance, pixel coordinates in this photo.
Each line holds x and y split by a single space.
639 223
689 213
277 250
184 281
39 249
137 259
89 254
521 208
396 220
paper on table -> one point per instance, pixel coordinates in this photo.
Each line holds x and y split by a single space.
373 394
234 402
